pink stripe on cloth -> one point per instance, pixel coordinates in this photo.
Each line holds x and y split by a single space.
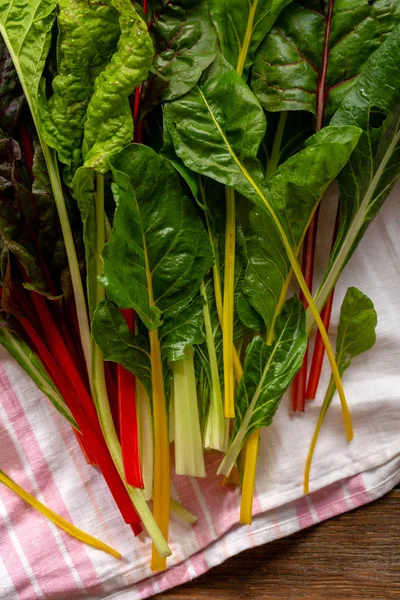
221 501
329 501
14 566
356 488
303 513
53 498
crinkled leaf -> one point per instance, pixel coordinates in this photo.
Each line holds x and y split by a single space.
295 190
374 167
118 344
159 250
357 323
185 42
297 67
183 331
88 36
11 94
109 124
241 27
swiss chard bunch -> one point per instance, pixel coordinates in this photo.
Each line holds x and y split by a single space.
162 166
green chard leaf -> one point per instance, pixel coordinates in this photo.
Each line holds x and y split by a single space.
88 36
295 189
185 330
159 250
357 323
26 29
268 372
241 27
112 334
356 335
212 135
374 167
314 54
213 139
109 124
185 42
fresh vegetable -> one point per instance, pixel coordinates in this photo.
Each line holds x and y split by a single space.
310 61
356 334
155 194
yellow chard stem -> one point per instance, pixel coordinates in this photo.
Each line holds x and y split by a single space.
249 478
162 480
228 305
247 38
324 409
217 283
76 533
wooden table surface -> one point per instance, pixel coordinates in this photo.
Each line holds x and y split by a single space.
355 555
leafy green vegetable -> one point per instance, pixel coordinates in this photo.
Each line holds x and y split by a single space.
112 334
159 250
208 132
373 168
357 323
108 125
241 27
205 110
313 55
356 334
295 189
185 43
26 29
88 36
268 372
181 332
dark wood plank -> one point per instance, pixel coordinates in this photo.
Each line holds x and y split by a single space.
355 555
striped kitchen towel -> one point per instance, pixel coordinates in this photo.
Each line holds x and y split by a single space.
39 451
